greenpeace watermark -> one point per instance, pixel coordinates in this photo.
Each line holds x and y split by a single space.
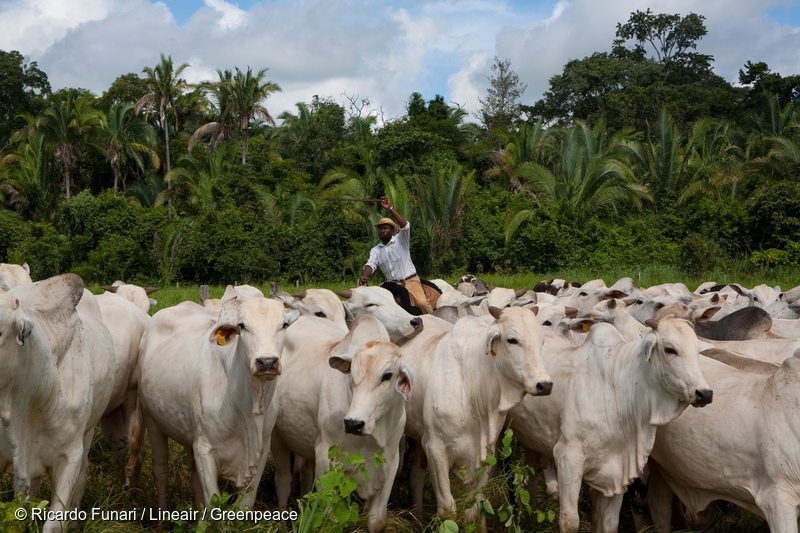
154 514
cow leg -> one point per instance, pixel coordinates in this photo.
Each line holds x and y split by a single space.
283 471
376 518
659 500
417 478
115 433
605 512
569 464
158 444
206 469
194 479
248 499
306 475
135 434
439 465
66 472
779 510
472 515
80 485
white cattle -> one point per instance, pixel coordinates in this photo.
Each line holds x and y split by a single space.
121 422
140 296
473 373
379 302
322 303
208 383
600 423
744 448
12 275
56 382
214 305
359 405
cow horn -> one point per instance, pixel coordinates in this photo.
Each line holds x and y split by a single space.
495 311
150 290
345 293
519 293
300 295
110 288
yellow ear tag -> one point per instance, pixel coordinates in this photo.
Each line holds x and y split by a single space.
220 337
585 327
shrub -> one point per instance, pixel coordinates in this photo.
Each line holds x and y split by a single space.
45 250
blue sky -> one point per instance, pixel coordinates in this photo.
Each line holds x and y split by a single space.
371 49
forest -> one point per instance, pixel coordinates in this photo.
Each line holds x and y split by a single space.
636 155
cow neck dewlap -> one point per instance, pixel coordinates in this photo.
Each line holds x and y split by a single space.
239 402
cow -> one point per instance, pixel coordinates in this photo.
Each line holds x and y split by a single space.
322 303
207 381
58 362
744 448
140 296
379 302
600 423
466 377
347 390
121 422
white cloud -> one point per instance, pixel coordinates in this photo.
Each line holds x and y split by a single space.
372 49
231 16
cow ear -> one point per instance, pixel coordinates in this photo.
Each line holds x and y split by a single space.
708 313
570 312
26 267
582 324
340 363
289 317
223 334
495 311
649 344
150 290
348 315
491 334
23 328
403 383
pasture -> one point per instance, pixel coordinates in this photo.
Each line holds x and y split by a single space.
131 510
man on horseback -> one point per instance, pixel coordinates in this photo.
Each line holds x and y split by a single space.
393 256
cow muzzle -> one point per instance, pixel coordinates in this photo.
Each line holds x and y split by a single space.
354 427
417 324
267 368
541 388
702 397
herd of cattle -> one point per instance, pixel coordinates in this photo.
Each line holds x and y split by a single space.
595 381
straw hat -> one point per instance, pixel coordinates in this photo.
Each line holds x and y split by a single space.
389 221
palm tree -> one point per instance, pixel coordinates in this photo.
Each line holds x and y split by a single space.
441 199
714 159
196 179
220 129
524 147
587 174
65 124
248 91
126 139
25 178
165 85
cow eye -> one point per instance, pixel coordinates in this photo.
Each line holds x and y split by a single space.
659 305
639 302
582 293
670 350
512 340
372 305
320 314
285 325
241 326
547 323
386 377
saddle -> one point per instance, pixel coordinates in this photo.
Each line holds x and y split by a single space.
406 301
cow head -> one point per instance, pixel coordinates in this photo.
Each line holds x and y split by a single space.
47 307
381 382
515 341
672 351
379 302
256 329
